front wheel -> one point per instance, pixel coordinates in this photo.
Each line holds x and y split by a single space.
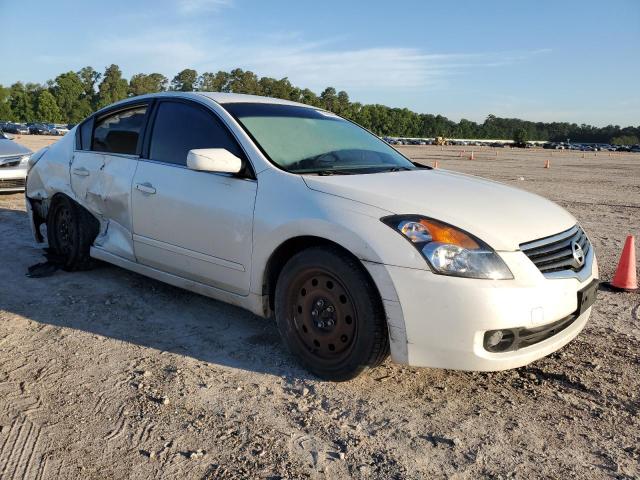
330 315
71 231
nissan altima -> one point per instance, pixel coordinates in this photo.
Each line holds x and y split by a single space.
297 214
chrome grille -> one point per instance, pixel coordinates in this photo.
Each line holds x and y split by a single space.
556 253
7 162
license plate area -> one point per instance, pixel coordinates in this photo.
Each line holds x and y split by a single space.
587 296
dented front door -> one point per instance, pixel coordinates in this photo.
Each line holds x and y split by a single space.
102 184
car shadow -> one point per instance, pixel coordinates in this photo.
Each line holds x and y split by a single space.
118 304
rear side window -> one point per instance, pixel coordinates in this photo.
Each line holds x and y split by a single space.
119 132
180 127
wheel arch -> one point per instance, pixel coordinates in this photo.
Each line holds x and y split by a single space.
288 249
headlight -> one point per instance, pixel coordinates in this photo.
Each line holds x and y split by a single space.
449 250
24 160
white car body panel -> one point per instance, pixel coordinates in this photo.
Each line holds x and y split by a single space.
500 215
209 239
214 234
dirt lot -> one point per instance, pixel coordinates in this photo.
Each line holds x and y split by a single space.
108 374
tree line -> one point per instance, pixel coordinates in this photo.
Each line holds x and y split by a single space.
72 96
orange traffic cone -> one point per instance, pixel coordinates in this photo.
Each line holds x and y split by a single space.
471 157
435 164
547 164
625 277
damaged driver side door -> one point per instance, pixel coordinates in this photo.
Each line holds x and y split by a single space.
102 172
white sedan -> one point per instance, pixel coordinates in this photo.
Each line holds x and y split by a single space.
292 212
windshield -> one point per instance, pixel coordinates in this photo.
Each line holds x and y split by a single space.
306 140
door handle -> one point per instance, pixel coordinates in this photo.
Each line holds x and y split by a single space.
81 172
146 188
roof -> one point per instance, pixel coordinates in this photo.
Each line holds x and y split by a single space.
221 97
218 97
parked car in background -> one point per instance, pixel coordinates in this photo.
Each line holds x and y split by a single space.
59 129
16 128
39 129
13 165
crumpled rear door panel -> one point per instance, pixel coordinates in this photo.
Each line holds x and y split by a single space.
102 184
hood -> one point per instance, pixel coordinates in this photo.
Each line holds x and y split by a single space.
11 148
502 216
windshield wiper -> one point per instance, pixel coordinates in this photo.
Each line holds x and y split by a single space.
326 173
396 169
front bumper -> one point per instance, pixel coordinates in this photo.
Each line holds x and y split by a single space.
13 179
446 318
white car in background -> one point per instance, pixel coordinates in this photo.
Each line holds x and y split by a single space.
13 165
59 130
290 211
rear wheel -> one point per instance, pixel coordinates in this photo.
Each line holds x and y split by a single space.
71 231
330 315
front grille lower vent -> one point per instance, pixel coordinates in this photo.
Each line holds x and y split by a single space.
564 251
13 183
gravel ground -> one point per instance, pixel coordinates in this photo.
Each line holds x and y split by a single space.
108 374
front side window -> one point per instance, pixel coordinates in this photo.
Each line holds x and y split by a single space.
119 132
180 127
306 140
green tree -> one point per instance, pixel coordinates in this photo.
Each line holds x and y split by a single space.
520 136
113 87
244 82
625 140
69 93
185 81
142 83
308 97
47 109
214 82
76 96
89 78
328 98
5 106
21 103
342 105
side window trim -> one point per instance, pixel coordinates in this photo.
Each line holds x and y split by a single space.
80 146
151 119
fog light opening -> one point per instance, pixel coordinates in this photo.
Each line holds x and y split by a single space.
499 340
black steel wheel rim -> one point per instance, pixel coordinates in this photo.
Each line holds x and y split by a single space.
323 314
65 230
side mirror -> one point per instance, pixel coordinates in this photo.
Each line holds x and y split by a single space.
219 160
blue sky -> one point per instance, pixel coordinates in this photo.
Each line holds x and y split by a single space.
544 60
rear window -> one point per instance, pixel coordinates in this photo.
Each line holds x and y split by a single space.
119 132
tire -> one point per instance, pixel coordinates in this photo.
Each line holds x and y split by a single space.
71 231
330 315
